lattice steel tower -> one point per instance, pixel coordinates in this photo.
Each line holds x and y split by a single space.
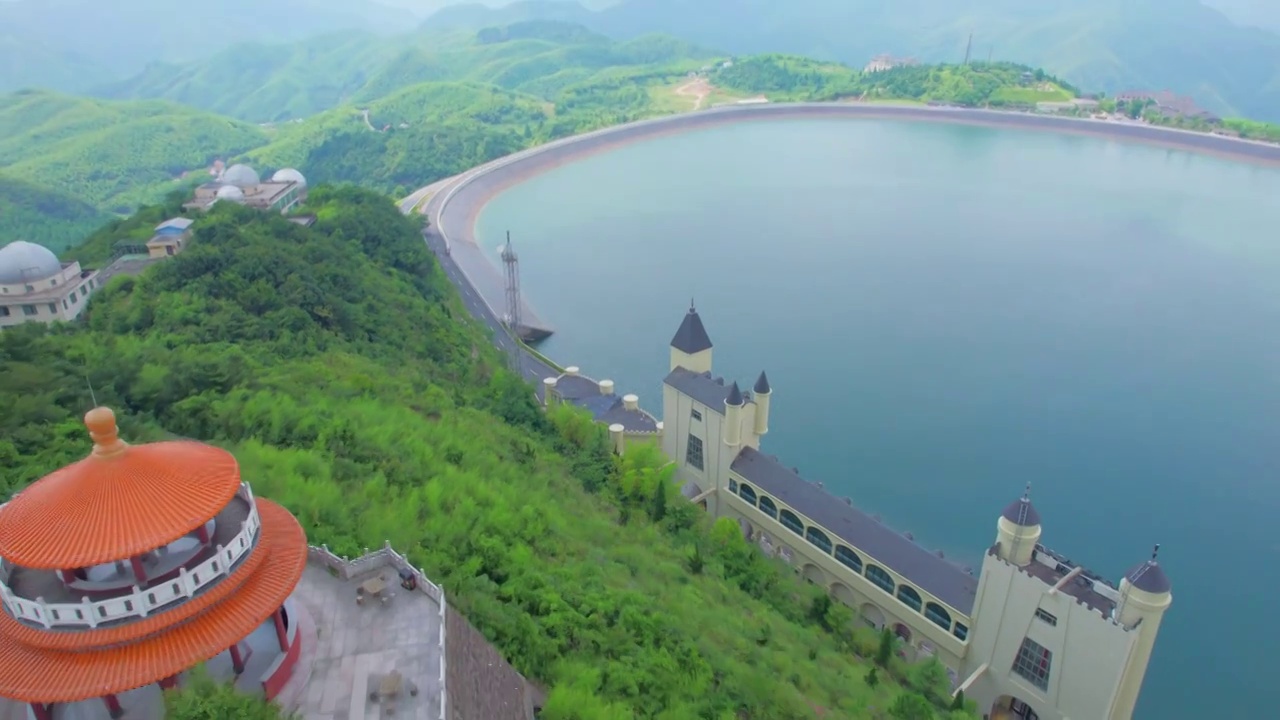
512 264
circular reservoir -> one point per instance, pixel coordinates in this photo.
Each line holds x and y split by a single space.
948 312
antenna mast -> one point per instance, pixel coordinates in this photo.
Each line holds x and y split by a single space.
511 263
968 48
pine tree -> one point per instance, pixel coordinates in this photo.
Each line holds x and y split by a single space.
658 503
958 702
885 651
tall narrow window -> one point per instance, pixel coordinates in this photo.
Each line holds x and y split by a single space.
880 578
693 455
909 597
818 539
733 486
849 559
961 631
791 522
767 507
1033 663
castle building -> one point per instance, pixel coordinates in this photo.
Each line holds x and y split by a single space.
1033 635
121 571
285 190
37 287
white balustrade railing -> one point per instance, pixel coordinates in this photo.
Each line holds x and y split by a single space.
141 603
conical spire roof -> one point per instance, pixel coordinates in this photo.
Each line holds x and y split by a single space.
735 395
692 336
762 384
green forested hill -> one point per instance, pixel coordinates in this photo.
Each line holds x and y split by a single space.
336 363
1108 45
264 83
112 154
38 215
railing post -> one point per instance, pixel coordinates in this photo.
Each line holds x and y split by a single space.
140 601
44 612
88 608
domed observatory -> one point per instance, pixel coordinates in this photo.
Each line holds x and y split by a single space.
123 570
289 175
230 192
35 286
242 176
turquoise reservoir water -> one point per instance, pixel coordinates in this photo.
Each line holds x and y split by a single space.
947 313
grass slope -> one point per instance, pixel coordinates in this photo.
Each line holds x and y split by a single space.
336 363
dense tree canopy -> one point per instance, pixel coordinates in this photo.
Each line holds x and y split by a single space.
336 362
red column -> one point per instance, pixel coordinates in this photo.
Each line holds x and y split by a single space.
138 571
68 576
282 633
202 534
42 711
237 660
169 683
113 706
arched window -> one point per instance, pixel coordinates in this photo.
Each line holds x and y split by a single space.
767 507
909 597
940 617
791 522
818 539
849 558
880 578
746 492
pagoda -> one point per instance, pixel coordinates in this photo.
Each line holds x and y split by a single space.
123 570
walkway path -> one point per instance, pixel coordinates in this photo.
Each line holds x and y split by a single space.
698 89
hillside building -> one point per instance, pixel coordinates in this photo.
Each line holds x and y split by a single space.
1032 635
170 237
240 184
1170 104
120 572
35 286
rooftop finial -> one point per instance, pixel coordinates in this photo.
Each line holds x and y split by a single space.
1026 494
101 422
1155 551
691 308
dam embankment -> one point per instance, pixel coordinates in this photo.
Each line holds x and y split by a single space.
463 202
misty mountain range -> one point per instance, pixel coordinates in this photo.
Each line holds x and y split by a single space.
1224 53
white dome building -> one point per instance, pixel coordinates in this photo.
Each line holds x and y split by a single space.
241 176
230 192
23 262
289 175
36 287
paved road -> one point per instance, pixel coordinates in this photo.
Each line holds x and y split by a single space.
531 367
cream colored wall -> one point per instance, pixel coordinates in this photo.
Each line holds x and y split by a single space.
853 589
56 294
696 362
1143 612
678 424
1089 651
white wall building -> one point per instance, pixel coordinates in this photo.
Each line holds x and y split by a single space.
37 287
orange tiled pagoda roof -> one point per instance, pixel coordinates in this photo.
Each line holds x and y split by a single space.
120 501
32 674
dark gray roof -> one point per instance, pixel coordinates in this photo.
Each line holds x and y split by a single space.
692 336
709 391
576 387
923 568
1022 512
762 384
735 395
1149 577
609 409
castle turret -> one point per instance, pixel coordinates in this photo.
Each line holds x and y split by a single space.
1145 595
762 392
691 347
733 418
1018 531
